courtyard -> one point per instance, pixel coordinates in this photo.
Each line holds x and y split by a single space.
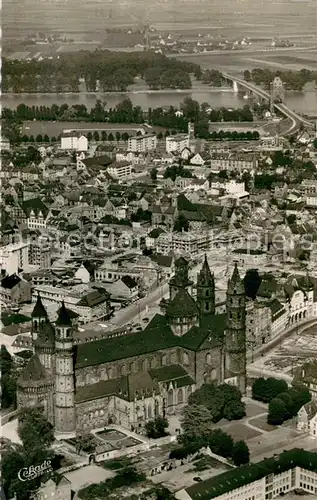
116 440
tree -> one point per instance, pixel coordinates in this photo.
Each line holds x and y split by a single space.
159 135
53 139
46 138
89 136
96 136
291 219
39 138
34 430
118 136
252 282
181 224
125 136
103 135
110 137
195 422
8 379
221 443
240 453
156 428
247 75
153 174
277 412
85 442
267 389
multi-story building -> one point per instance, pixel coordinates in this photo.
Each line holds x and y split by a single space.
185 243
14 256
176 143
120 169
88 303
250 257
233 161
280 474
40 255
142 143
74 140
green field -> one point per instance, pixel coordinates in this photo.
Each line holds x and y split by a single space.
248 17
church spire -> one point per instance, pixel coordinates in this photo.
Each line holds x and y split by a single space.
39 310
63 318
206 289
235 283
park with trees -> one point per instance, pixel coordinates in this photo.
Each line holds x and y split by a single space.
37 436
284 402
114 71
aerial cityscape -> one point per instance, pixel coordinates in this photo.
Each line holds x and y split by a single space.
158 250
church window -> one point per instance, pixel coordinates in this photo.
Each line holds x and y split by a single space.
149 412
180 398
170 397
185 358
207 306
110 373
208 359
213 374
164 360
230 314
132 367
143 365
153 363
123 370
207 292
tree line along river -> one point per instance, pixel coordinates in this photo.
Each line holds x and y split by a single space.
301 102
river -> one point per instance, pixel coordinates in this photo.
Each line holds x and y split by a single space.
301 102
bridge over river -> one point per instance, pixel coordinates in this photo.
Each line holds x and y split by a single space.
297 120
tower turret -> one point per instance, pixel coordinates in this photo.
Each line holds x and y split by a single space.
206 290
181 278
39 317
235 336
65 416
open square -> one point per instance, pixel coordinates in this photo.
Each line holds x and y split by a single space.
261 423
240 432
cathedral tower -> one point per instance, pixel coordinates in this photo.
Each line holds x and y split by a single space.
206 290
235 335
181 279
65 416
39 317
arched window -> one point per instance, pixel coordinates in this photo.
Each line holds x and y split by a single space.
122 370
143 365
180 396
213 374
149 412
207 306
207 292
208 359
170 398
164 360
185 358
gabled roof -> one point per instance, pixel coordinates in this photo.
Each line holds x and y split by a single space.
36 205
33 373
10 282
129 282
156 336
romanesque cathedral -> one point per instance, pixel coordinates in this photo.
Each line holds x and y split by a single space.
129 379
